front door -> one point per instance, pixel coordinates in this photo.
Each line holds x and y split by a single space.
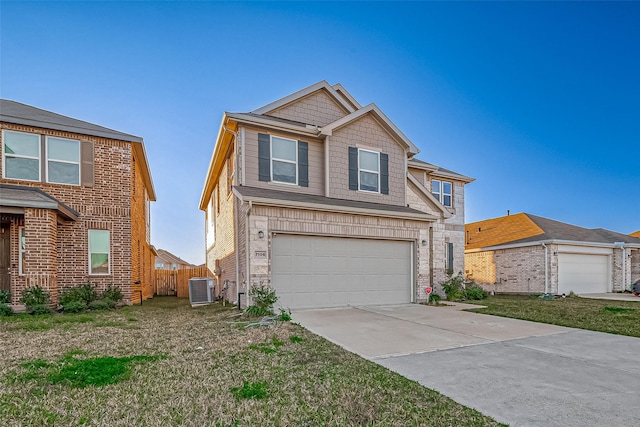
5 256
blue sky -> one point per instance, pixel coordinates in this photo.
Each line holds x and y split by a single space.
539 101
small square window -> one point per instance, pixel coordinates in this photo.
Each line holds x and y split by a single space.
442 191
21 155
63 161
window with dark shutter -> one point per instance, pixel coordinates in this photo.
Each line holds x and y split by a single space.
384 173
449 258
353 168
87 169
264 157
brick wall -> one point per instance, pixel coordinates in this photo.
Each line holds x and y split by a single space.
635 265
142 259
317 108
105 205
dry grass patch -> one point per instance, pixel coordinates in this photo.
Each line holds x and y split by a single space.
615 317
200 367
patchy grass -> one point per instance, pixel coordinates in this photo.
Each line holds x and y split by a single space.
615 317
212 372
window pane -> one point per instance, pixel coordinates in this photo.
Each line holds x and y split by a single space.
22 144
446 200
368 181
369 161
23 245
99 263
284 149
64 173
99 241
63 149
446 187
435 187
284 172
19 168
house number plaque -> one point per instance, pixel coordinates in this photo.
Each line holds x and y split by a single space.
260 254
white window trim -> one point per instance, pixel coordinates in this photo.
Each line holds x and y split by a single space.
377 153
89 254
21 251
18 156
440 194
63 161
283 160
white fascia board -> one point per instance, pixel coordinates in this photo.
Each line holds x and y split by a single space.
342 91
265 121
332 208
457 177
422 166
558 242
427 193
323 84
371 108
204 197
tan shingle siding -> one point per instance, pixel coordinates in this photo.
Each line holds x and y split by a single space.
317 108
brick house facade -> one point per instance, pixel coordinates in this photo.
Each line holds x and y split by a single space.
72 192
524 253
322 199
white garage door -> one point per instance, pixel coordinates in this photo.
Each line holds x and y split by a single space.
317 272
583 274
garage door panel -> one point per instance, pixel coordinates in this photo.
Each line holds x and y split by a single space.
313 271
583 273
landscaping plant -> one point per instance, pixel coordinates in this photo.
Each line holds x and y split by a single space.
112 293
5 297
454 287
34 298
5 310
475 292
263 298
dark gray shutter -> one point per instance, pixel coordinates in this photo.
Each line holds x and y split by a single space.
384 173
86 166
303 164
264 157
450 258
353 168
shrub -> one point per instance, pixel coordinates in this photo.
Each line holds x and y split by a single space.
5 297
434 298
40 309
5 310
74 307
285 315
263 297
87 293
113 293
255 311
475 292
34 296
70 295
111 304
454 287
99 305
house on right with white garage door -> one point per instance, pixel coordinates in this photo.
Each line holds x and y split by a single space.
525 253
322 199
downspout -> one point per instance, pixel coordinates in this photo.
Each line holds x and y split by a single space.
546 268
246 252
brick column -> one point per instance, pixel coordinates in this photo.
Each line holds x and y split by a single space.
41 254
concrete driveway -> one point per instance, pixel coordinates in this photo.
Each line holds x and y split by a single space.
521 373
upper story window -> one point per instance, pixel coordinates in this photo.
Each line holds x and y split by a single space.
442 190
21 155
368 170
63 161
284 160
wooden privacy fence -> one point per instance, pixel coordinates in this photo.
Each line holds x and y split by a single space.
176 282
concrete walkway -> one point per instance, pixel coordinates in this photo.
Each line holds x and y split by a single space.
521 373
615 296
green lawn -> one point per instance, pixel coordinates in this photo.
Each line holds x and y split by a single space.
165 363
616 317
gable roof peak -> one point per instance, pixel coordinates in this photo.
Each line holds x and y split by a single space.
340 95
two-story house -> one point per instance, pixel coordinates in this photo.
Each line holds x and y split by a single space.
165 260
322 199
74 205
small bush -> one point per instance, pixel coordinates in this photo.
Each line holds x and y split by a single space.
74 307
34 296
40 309
5 297
5 310
110 303
87 293
70 295
285 315
263 297
113 293
255 311
454 287
434 298
475 292
100 305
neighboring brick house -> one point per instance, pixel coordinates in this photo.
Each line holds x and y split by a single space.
322 199
74 205
165 260
529 254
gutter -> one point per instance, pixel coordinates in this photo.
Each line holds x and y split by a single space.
553 241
